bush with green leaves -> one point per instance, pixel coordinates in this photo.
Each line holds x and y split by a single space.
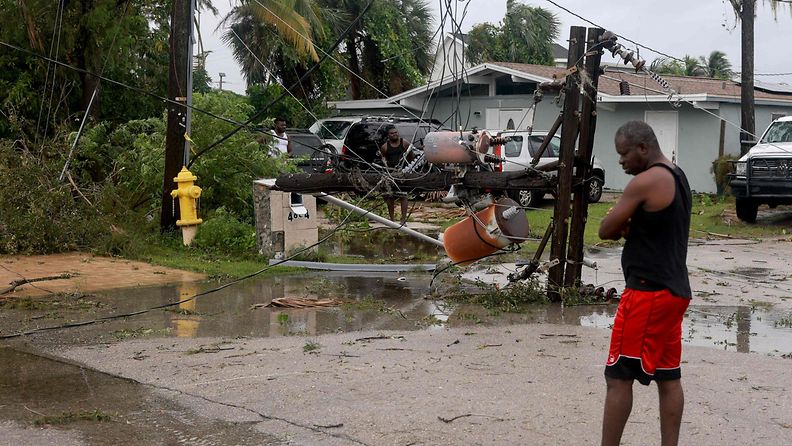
223 233
721 168
39 213
128 159
115 180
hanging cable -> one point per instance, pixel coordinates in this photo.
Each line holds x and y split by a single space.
282 95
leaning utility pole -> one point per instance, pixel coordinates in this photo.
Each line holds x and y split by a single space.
569 133
177 147
588 123
748 121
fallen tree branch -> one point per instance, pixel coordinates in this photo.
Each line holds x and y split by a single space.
17 283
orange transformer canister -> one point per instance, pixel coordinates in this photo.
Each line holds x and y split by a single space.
499 225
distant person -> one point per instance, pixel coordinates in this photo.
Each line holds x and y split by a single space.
653 215
281 141
394 152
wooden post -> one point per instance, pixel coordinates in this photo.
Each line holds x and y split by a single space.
569 132
588 123
178 80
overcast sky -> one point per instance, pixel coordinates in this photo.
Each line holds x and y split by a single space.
675 27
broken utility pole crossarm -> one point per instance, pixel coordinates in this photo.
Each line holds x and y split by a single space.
440 181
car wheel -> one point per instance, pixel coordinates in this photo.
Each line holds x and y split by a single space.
747 209
594 189
527 198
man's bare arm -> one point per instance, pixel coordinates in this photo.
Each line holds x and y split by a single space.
617 220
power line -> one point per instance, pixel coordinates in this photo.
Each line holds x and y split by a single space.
282 95
112 81
618 35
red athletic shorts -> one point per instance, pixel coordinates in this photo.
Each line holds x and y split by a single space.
646 342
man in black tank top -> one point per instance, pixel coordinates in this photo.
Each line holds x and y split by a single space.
653 216
393 153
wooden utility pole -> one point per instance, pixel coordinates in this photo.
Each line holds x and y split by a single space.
180 90
588 123
748 122
569 133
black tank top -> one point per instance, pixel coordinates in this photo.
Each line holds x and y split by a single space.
394 153
655 252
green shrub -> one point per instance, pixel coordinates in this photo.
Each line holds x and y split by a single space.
721 168
39 213
223 233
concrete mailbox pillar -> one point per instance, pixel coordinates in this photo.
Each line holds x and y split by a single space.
284 220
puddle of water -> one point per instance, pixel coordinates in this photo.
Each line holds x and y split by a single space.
32 386
382 244
377 302
753 272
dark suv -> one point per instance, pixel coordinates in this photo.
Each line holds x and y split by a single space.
313 155
364 138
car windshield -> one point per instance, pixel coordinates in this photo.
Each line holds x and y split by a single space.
304 143
778 132
332 129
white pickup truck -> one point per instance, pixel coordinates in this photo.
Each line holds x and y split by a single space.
520 150
764 174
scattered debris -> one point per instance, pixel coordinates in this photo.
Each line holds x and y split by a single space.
328 426
378 337
299 302
449 420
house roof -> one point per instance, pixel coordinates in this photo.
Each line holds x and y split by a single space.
641 84
642 87
559 52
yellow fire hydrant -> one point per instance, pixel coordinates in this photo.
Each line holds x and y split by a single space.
188 194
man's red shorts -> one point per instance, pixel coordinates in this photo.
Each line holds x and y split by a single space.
646 342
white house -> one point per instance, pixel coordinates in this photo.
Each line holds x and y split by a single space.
694 127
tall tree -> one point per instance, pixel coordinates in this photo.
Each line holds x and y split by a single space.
125 40
389 47
716 65
268 55
689 66
525 35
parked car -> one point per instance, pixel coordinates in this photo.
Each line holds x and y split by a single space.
334 130
311 153
764 174
364 139
519 152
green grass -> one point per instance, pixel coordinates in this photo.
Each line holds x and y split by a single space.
711 216
215 265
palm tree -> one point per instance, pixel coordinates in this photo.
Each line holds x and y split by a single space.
526 35
716 65
267 25
389 47
689 66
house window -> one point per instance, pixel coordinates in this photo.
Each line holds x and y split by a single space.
505 86
464 90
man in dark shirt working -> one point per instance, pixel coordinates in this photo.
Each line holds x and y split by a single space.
395 152
653 215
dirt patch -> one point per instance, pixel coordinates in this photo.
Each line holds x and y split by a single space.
87 273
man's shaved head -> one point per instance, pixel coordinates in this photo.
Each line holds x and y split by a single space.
634 133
